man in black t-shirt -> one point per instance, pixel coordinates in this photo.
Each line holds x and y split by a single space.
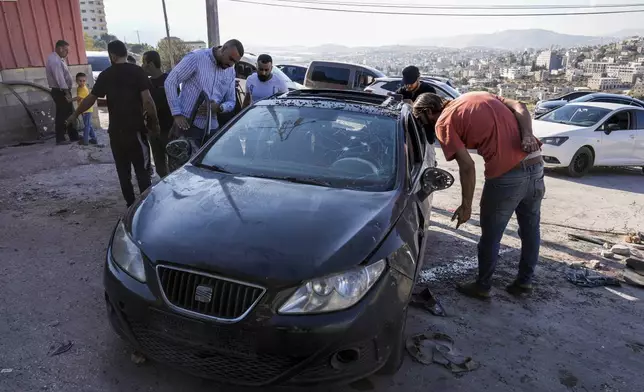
412 85
128 95
151 64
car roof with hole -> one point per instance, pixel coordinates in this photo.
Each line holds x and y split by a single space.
353 101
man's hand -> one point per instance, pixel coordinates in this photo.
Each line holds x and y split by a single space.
463 213
181 122
203 110
529 144
69 98
71 119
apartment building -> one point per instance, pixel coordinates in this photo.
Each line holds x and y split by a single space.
625 73
549 60
514 73
594 67
93 17
194 45
607 83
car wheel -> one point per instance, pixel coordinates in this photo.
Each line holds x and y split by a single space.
397 356
581 162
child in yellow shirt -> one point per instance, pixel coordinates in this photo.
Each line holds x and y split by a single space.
89 136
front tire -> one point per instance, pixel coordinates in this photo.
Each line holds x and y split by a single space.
581 162
398 349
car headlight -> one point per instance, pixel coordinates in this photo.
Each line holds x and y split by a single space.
555 141
335 292
126 254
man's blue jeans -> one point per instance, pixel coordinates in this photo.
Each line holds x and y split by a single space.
519 190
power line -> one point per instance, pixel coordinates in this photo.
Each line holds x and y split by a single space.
461 7
374 12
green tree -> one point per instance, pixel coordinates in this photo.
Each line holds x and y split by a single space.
140 48
89 42
173 48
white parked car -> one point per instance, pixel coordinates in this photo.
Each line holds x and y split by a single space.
386 85
579 136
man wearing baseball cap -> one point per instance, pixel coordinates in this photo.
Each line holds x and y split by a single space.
412 85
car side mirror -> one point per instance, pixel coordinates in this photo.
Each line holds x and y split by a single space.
610 128
435 179
179 150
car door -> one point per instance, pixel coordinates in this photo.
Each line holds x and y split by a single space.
638 149
617 145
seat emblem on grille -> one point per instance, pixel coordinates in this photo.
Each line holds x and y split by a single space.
203 294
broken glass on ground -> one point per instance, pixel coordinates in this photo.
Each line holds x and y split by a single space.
428 348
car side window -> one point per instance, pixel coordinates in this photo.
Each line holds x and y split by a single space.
442 93
328 74
413 148
391 86
362 79
639 121
621 121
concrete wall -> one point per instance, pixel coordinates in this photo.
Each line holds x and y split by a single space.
15 124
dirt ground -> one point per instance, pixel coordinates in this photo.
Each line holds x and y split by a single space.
58 205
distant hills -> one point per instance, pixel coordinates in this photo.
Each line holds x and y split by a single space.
507 39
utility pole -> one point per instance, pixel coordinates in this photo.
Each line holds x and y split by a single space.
212 20
138 36
167 33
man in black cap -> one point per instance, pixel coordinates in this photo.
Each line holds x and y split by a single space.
412 85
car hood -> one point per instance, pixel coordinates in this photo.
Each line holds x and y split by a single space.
546 128
261 230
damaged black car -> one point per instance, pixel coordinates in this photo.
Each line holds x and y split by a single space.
286 249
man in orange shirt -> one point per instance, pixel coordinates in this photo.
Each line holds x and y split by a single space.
501 131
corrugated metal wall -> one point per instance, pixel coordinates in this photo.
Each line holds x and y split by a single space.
29 30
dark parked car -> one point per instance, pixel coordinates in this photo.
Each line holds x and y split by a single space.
286 249
297 73
544 107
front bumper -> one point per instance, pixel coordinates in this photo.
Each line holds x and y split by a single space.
556 156
264 348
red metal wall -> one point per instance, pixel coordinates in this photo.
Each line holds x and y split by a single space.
32 27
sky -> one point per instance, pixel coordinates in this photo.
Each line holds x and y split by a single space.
262 26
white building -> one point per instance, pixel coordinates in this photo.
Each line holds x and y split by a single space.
514 73
625 73
93 17
194 45
573 74
594 67
549 60
608 83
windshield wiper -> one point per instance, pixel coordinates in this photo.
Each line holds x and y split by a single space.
212 167
300 180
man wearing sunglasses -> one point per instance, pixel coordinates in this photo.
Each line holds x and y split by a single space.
501 131
209 71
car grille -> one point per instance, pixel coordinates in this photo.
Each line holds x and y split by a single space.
207 295
203 360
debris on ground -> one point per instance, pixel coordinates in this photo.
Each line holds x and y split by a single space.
61 348
633 278
138 358
635 264
6 371
607 254
590 264
587 278
622 250
592 240
428 348
633 238
425 300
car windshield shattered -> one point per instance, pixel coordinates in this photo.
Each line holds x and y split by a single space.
584 116
319 146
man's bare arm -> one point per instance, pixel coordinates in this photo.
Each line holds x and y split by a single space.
150 108
521 113
84 105
246 102
467 173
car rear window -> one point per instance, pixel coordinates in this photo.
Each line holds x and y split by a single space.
99 63
342 148
327 74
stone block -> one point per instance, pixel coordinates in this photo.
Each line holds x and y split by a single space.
41 82
13 74
32 74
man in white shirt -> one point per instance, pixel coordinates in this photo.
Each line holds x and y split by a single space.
263 84
60 83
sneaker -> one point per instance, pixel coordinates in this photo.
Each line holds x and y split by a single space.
473 290
82 143
519 289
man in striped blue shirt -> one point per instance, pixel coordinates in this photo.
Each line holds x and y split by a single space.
210 71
